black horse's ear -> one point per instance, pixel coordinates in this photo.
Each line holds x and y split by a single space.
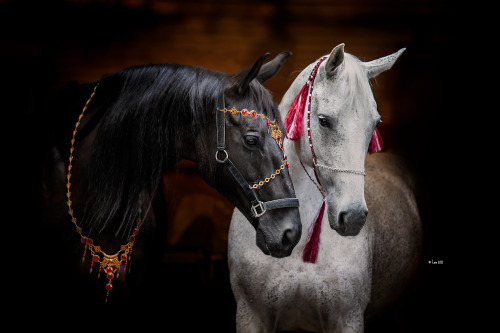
270 69
241 80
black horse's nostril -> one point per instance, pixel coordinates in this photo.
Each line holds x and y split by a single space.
288 238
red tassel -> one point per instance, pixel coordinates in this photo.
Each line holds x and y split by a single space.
376 143
311 249
294 119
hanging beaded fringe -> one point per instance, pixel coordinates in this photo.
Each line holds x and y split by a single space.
112 264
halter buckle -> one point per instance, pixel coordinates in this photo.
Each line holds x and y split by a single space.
255 209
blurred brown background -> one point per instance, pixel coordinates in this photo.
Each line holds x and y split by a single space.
47 43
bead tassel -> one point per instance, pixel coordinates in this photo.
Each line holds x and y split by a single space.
311 249
376 143
294 120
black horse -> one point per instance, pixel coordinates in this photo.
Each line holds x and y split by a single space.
142 121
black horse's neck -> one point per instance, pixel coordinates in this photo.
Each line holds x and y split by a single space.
151 116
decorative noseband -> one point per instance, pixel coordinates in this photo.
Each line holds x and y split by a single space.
362 173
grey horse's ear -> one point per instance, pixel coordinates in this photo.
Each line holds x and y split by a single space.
335 60
375 67
269 69
241 80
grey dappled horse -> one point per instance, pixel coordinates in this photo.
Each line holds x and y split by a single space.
366 261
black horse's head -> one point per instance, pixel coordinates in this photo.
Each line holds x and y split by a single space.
251 166
152 116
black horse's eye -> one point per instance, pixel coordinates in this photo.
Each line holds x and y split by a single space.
251 140
323 121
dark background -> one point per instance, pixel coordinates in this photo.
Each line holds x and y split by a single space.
44 44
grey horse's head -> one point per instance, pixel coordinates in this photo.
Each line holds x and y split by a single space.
340 125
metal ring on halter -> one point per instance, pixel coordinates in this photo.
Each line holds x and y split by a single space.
225 159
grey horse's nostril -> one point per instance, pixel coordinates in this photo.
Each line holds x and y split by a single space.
341 220
351 222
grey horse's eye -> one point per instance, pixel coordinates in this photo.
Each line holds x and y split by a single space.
323 121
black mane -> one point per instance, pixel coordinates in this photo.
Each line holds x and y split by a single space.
144 108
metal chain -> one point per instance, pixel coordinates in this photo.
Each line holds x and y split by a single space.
362 173
267 180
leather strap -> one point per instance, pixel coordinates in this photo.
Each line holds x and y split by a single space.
220 123
281 203
249 192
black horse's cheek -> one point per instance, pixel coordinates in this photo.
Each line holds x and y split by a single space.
261 242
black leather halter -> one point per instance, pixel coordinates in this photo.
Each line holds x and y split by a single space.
258 207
